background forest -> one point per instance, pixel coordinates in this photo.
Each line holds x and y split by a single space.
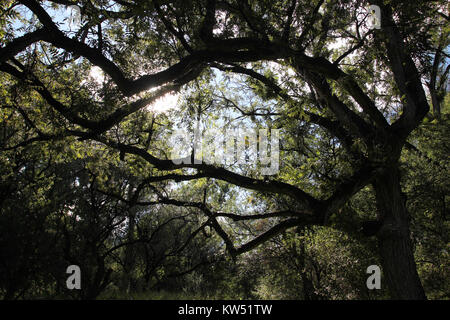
92 91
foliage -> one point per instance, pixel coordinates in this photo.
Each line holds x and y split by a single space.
86 140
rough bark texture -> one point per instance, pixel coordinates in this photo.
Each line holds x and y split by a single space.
399 268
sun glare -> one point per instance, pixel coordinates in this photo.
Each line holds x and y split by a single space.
161 105
96 74
165 103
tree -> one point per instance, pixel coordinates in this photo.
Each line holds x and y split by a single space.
361 100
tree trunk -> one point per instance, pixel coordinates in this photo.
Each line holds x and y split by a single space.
436 102
127 278
126 284
399 267
309 293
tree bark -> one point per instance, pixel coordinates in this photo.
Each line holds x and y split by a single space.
396 251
